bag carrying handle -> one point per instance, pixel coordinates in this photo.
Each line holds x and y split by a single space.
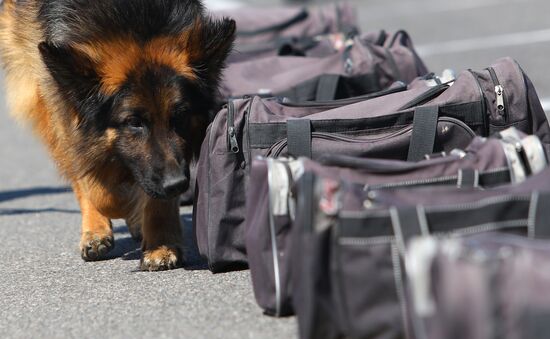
423 132
422 139
407 223
298 133
467 177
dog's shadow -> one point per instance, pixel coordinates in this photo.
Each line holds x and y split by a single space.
127 248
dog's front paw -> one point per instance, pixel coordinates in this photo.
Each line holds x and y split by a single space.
161 259
95 246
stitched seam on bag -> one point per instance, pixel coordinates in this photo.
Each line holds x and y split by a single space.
422 220
399 288
398 234
356 241
359 133
478 204
431 180
413 182
491 226
495 170
532 215
445 208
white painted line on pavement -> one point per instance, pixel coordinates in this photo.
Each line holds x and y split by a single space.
216 5
487 42
408 8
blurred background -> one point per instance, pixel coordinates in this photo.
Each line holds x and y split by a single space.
457 34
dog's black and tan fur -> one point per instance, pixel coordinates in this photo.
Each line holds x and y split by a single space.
119 91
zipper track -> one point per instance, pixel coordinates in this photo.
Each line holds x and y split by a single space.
276 149
232 144
451 179
445 208
501 108
483 103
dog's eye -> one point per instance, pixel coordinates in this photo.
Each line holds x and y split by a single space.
134 122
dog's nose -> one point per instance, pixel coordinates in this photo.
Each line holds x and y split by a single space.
175 185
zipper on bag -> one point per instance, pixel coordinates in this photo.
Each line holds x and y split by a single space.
483 103
232 144
276 149
348 62
500 102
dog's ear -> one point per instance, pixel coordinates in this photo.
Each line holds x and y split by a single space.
75 75
209 43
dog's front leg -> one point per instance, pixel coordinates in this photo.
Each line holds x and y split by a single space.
97 233
162 235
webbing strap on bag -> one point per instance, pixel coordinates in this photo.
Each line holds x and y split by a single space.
423 133
541 217
467 177
298 133
407 223
326 87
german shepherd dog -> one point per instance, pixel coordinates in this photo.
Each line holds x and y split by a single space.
119 91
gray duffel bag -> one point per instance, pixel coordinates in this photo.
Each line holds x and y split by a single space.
480 287
404 125
348 245
486 162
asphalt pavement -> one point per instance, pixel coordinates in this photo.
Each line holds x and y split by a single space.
47 291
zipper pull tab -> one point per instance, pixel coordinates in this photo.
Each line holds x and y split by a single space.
499 91
233 140
348 66
348 63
